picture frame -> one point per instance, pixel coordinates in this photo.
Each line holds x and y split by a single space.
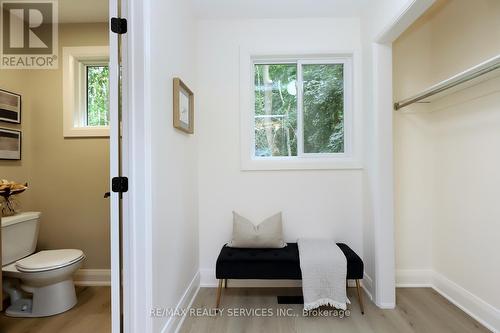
10 107
10 144
183 107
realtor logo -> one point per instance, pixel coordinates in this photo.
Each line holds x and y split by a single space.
28 34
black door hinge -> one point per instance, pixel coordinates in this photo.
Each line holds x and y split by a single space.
118 25
119 184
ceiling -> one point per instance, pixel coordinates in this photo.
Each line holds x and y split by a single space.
83 11
88 11
277 8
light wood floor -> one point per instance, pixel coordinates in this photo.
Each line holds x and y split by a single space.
92 314
418 310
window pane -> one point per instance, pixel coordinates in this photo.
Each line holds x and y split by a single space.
97 96
275 110
323 108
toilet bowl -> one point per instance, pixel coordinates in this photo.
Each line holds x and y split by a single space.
38 284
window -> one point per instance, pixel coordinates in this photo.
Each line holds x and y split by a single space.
300 112
97 91
86 91
300 108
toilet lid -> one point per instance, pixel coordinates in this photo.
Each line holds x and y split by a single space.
47 260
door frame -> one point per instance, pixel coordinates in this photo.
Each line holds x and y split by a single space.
137 276
382 174
115 162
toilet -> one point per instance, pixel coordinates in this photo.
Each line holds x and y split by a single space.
46 275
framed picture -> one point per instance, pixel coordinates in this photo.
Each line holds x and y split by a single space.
10 107
10 144
183 107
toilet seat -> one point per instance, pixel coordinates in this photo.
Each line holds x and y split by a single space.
49 260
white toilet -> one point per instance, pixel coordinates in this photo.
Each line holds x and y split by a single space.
47 275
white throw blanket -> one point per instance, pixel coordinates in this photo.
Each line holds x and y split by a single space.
324 271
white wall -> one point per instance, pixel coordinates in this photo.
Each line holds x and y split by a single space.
447 161
173 155
327 203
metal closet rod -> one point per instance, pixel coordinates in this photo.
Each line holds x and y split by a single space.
470 74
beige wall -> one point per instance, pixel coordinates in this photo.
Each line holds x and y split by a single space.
447 160
67 177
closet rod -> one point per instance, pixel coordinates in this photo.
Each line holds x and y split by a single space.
470 74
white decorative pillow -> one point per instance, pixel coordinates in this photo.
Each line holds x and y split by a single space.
268 234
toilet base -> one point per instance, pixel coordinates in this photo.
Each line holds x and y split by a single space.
47 301
20 308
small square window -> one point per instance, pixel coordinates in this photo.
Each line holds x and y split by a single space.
86 91
299 112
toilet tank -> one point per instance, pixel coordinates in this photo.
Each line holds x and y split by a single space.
19 236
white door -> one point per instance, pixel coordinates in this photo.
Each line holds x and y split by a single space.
116 158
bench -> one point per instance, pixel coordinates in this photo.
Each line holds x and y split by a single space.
275 264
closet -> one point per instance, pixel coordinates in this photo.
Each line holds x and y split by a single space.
446 87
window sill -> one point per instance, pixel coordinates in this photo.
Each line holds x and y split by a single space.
298 163
85 132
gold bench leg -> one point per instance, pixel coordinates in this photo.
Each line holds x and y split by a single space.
219 291
360 297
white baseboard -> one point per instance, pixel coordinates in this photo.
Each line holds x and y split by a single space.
92 277
367 285
477 308
386 306
174 324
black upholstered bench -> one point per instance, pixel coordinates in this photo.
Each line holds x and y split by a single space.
274 264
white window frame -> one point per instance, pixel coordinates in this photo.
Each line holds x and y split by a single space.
349 159
75 62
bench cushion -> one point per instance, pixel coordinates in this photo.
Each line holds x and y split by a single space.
239 263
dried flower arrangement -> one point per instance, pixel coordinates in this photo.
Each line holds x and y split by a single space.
8 189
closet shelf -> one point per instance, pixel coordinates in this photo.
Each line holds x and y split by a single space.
472 76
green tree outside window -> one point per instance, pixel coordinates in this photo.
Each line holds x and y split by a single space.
276 127
97 95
